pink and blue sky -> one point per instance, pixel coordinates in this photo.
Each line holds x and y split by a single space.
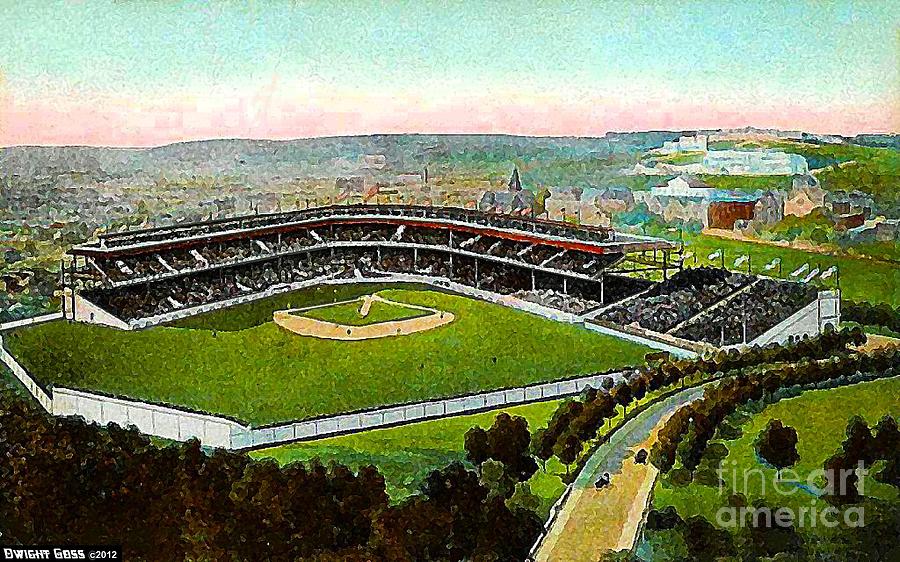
144 73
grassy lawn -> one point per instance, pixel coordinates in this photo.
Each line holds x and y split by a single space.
820 418
406 454
263 374
861 279
348 314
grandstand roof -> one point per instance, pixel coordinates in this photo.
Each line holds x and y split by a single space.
586 238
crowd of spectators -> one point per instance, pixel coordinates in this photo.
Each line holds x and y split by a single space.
763 306
156 297
156 265
687 293
560 301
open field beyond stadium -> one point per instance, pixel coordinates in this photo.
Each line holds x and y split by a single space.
861 279
405 455
820 418
237 362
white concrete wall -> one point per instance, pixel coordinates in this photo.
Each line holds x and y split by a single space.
88 312
408 413
30 321
43 398
808 321
151 419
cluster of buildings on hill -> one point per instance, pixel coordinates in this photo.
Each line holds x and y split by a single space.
721 162
688 199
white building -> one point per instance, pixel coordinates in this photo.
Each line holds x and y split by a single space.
685 144
683 186
754 162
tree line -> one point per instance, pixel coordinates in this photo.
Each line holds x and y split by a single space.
864 447
577 421
685 435
62 480
869 314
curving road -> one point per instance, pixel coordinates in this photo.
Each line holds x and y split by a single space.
593 521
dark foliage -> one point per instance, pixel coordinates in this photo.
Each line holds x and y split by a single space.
65 481
869 314
777 445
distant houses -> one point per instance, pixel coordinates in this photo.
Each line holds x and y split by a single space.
804 197
689 199
513 201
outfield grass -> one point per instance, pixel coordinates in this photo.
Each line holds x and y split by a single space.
348 314
263 374
820 418
405 455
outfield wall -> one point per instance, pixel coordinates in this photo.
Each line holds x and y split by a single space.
389 416
30 321
43 398
152 419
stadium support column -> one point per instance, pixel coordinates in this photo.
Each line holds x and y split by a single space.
62 286
665 265
602 287
532 280
415 256
476 273
72 288
565 286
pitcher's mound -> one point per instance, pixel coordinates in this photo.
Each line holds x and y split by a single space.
367 317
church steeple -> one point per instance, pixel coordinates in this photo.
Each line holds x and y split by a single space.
514 183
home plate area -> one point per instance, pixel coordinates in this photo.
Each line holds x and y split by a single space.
367 317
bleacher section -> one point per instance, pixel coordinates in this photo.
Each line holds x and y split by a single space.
713 305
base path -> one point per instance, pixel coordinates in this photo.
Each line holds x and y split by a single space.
294 321
593 521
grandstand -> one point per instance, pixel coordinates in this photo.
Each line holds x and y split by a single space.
146 277
141 278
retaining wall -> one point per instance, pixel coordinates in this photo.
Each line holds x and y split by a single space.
39 394
414 412
151 419
30 321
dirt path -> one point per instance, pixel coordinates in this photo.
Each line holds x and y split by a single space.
874 341
593 521
606 519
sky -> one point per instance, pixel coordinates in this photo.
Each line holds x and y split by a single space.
146 73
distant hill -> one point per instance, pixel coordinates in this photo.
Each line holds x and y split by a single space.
878 141
265 161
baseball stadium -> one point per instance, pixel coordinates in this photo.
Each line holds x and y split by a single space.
264 329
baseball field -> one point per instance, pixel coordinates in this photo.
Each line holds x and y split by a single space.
238 362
